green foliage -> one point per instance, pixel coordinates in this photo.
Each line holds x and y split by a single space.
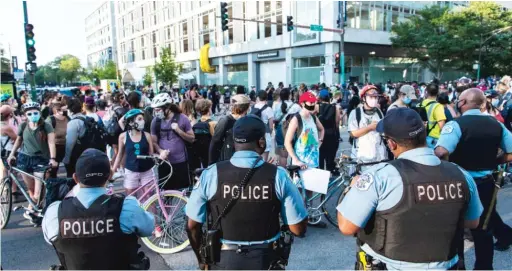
69 67
148 77
109 71
167 70
440 38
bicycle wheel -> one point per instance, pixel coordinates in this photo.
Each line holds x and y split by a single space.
172 236
6 202
329 207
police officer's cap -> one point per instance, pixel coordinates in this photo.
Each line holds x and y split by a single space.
248 129
401 123
93 168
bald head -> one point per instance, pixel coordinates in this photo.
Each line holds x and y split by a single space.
474 99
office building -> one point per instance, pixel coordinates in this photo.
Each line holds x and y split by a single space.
100 30
254 54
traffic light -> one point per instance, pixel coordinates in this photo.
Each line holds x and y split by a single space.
289 23
224 15
337 63
29 39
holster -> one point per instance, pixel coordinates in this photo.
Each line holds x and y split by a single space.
282 249
366 262
210 247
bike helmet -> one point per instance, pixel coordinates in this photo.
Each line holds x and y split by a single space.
132 114
4 97
30 105
368 88
161 100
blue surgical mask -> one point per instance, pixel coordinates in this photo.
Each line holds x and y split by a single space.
406 100
34 117
160 115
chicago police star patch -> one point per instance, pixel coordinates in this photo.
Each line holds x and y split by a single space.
364 182
448 129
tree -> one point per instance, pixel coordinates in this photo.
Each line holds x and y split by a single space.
167 70
148 77
109 71
425 38
441 38
69 67
481 27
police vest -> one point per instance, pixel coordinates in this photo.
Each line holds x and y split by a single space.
92 238
428 221
255 214
478 145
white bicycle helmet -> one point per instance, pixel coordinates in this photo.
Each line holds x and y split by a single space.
30 105
161 100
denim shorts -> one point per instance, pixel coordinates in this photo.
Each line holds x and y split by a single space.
279 136
30 164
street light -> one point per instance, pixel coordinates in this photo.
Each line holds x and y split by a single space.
482 42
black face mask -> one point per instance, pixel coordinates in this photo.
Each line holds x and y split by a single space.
65 113
309 107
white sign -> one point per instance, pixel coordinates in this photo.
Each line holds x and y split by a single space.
475 66
315 180
19 75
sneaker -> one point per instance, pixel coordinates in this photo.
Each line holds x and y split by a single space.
501 246
158 232
27 215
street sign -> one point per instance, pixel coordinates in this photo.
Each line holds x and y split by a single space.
475 66
14 63
316 27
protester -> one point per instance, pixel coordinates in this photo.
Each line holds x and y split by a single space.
403 97
282 110
203 133
330 117
266 114
187 107
435 114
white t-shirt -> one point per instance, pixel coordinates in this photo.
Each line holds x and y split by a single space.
370 147
291 107
267 114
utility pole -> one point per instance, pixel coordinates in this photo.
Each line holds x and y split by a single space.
341 25
31 74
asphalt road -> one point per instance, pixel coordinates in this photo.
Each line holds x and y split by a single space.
23 246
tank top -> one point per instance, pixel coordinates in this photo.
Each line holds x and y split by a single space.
132 149
307 145
6 142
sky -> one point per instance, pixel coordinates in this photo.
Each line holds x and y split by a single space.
59 28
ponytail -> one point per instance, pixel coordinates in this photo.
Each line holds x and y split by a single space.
284 106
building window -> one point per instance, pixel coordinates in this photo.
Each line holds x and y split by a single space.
279 20
308 12
230 35
142 42
153 37
154 5
154 19
143 54
142 11
185 45
155 52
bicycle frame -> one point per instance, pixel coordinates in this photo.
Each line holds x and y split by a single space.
23 191
153 186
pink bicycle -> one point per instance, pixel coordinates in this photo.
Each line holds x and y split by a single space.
168 207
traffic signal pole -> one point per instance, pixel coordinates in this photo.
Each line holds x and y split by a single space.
31 74
341 25
294 25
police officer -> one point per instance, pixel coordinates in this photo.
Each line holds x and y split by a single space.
94 230
249 228
472 141
410 211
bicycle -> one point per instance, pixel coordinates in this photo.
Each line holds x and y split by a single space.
335 190
168 207
6 195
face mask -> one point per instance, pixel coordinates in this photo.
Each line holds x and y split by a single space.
159 115
458 106
309 107
34 118
139 125
495 102
372 102
65 113
406 100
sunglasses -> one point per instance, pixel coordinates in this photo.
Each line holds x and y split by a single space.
33 113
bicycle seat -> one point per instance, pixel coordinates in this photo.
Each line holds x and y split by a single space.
198 171
293 168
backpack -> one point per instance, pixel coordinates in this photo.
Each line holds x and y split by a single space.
358 118
228 147
300 126
202 135
158 123
258 111
425 115
112 127
95 135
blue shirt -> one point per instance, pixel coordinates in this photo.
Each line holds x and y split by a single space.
132 218
293 210
451 134
385 191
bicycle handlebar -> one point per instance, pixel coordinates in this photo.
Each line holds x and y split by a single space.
147 157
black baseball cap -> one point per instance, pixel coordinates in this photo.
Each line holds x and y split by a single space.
401 123
93 168
248 129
